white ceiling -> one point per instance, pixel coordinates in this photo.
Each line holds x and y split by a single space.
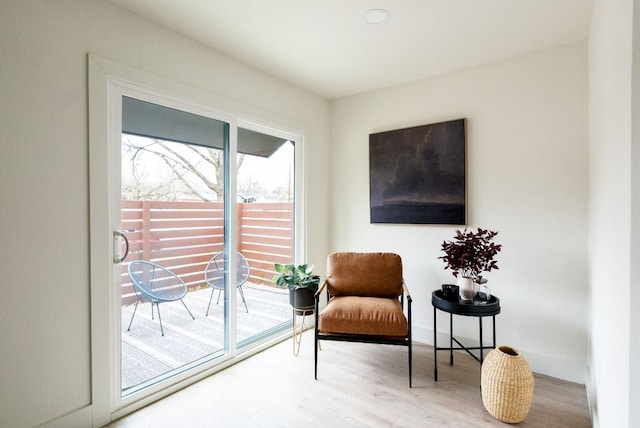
326 47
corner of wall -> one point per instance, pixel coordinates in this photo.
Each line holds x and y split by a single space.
591 396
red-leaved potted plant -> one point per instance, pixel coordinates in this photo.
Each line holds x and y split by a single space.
468 255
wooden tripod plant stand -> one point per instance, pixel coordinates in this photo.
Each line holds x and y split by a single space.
297 332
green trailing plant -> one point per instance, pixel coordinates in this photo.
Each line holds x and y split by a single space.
293 276
471 253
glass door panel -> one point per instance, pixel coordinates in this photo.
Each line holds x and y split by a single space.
175 204
265 212
173 216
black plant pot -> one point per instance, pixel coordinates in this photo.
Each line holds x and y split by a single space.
302 299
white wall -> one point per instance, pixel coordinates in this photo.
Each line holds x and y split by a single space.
613 254
527 179
44 188
634 292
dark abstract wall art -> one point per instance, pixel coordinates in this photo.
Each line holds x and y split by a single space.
418 175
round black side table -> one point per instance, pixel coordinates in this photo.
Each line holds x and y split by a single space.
464 308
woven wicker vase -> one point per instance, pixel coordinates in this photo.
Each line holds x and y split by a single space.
507 385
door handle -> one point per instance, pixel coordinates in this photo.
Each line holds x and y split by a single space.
116 247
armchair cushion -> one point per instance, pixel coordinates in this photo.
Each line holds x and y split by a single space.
377 316
364 274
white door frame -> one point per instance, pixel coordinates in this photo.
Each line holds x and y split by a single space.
108 81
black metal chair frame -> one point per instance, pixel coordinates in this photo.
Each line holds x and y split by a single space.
364 338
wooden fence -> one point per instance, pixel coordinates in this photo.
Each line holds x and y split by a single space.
183 236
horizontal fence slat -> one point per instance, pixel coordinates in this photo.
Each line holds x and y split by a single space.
261 231
179 262
183 242
267 265
280 215
274 206
131 225
269 250
188 223
275 243
135 204
130 215
181 253
250 222
197 205
216 233
179 214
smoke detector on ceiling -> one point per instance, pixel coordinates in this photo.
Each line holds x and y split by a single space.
376 16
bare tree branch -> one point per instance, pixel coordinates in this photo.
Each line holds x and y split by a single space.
189 164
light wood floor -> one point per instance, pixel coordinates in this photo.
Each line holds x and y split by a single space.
359 385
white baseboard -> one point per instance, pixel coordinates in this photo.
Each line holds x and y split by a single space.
571 371
80 418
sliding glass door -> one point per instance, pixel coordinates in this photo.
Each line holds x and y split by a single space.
176 204
196 204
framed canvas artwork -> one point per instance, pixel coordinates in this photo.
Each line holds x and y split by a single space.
418 175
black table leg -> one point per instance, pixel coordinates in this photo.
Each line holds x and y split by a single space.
451 339
481 347
494 332
435 346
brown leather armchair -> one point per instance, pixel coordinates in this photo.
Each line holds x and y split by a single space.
365 295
